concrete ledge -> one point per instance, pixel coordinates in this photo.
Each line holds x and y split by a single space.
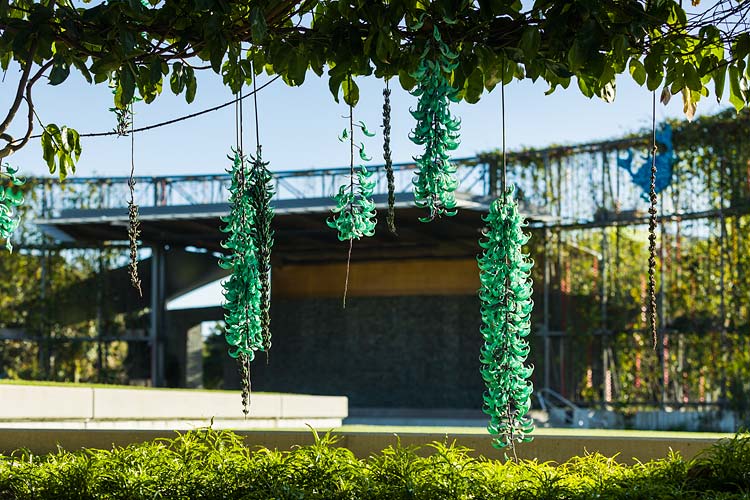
545 447
40 401
39 406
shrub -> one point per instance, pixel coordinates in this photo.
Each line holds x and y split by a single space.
209 464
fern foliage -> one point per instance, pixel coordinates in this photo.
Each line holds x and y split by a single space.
505 295
436 130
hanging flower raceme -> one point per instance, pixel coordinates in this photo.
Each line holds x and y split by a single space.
242 291
354 214
10 199
261 193
505 295
436 130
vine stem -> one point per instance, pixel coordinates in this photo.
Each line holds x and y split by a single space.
503 183
652 230
351 192
348 267
391 218
133 221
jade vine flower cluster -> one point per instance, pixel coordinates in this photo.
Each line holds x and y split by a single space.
354 213
10 199
242 291
436 130
505 295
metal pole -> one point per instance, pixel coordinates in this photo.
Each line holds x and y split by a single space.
660 312
547 361
100 317
157 309
603 300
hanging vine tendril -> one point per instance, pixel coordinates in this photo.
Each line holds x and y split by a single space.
10 199
436 130
354 213
652 230
134 223
391 217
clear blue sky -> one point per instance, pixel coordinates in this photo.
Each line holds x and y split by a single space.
299 125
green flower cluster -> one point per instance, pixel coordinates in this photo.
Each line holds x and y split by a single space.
261 193
505 295
10 199
242 291
436 130
354 214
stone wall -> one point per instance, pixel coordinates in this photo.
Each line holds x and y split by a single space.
405 351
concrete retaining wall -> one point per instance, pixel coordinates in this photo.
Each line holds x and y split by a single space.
98 407
627 446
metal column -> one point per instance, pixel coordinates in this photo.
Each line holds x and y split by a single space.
158 308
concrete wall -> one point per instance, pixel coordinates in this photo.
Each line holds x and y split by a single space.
96 407
407 351
627 446
726 421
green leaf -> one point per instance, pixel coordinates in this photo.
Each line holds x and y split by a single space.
474 86
576 56
719 76
690 76
735 91
258 25
334 83
351 91
59 73
406 80
125 88
637 71
176 80
530 41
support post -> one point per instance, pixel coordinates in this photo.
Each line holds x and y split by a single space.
158 304
547 360
492 168
607 382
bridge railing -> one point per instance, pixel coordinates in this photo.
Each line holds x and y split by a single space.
101 193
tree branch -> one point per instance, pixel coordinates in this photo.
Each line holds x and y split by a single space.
14 146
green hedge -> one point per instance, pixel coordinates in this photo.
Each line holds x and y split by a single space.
209 464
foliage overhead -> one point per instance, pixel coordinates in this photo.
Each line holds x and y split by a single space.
143 47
